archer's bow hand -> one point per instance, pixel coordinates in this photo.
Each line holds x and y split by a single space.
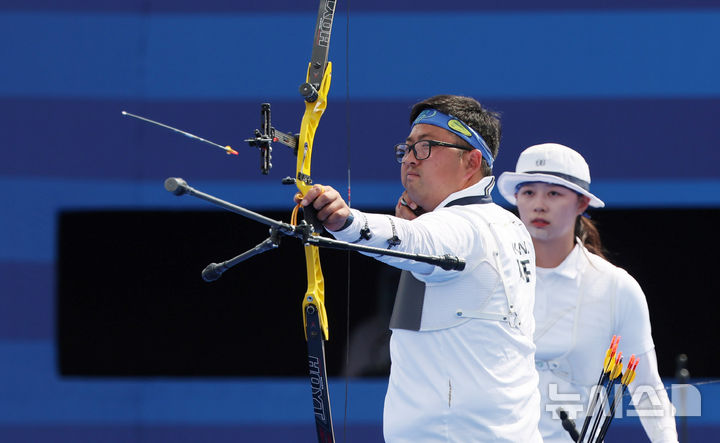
332 211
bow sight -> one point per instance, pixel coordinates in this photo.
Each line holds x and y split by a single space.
266 136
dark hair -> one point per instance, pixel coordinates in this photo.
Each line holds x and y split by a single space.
470 111
588 233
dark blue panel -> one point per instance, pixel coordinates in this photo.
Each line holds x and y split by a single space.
635 433
87 139
622 139
628 139
26 297
363 5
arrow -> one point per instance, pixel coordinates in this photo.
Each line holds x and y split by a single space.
227 149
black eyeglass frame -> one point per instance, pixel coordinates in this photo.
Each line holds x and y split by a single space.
430 143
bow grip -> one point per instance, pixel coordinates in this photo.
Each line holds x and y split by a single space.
310 216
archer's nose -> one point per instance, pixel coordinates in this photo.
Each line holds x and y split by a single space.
539 205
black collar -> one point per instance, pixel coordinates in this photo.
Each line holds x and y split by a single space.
471 200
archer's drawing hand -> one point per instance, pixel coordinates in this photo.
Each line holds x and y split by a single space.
332 211
406 208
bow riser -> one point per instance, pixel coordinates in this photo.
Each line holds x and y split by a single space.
315 294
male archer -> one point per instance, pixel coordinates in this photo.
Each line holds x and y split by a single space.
461 348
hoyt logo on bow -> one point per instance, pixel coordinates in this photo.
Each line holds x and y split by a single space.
325 23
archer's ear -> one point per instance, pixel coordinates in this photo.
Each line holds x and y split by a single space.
474 159
583 203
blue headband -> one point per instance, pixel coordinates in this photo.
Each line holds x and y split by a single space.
457 127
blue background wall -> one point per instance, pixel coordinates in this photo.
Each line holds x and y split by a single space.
631 84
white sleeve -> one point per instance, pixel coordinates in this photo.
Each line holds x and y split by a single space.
443 232
657 414
632 317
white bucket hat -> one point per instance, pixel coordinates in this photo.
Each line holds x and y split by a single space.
549 163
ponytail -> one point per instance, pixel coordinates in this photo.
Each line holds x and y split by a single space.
588 233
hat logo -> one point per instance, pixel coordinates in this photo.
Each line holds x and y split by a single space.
540 162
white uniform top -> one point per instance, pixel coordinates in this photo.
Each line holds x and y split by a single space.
461 378
579 306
